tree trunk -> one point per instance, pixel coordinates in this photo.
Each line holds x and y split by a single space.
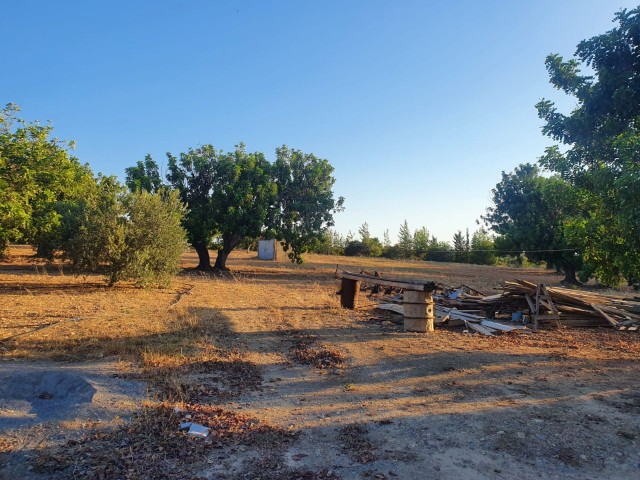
221 260
203 256
228 244
569 274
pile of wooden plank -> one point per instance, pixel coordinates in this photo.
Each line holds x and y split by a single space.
454 317
577 308
538 305
525 303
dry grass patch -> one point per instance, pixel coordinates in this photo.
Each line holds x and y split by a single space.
70 320
75 318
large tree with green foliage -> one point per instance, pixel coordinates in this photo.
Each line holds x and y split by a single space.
235 195
193 175
40 183
241 200
305 202
601 157
530 211
229 195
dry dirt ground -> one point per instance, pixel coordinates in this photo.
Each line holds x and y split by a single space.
95 381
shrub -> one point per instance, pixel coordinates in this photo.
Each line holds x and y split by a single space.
439 252
130 236
355 248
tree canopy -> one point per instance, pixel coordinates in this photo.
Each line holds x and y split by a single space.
241 199
530 212
39 182
305 202
601 138
144 176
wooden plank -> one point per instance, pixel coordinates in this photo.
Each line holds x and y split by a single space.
455 314
454 322
490 298
407 285
473 290
577 311
532 307
543 299
604 315
480 329
502 327
391 307
620 312
584 322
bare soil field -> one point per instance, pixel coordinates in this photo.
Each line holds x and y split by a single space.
95 381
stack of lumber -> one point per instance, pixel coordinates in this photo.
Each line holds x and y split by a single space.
579 308
488 306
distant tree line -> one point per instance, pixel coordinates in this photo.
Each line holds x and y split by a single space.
418 245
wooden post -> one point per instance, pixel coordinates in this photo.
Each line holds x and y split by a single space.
349 295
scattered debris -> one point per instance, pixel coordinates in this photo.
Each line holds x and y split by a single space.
355 443
224 377
391 308
574 307
151 446
197 430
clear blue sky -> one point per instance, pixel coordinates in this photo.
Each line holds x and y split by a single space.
418 105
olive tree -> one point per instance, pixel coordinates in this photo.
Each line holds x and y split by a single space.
134 236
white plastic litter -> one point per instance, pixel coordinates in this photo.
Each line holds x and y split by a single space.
196 430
